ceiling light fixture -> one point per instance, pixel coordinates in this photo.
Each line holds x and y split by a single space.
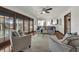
43 12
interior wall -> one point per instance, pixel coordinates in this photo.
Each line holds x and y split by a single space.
74 19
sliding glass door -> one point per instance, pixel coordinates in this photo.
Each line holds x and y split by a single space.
19 24
8 26
26 26
30 26
1 29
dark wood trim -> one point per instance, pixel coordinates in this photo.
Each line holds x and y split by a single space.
14 22
23 25
4 44
29 26
65 22
33 25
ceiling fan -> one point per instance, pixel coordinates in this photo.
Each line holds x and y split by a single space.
46 10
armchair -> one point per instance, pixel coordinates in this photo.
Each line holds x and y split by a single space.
19 43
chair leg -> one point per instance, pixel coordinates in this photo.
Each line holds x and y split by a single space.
20 51
75 49
29 46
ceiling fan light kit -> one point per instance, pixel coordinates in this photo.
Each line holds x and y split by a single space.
43 12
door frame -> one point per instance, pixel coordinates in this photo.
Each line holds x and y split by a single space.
65 22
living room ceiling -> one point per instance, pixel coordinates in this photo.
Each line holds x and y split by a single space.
35 11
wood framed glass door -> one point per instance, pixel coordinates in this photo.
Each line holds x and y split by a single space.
8 26
67 23
26 26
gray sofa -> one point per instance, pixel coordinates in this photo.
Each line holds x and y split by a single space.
56 45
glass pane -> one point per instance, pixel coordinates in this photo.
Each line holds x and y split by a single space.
26 26
48 23
1 29
30 26
55 22
41 22
8 27
19 24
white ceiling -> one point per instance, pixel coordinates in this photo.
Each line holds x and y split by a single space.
36 10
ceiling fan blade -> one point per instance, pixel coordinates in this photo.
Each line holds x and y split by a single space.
49 9
44 10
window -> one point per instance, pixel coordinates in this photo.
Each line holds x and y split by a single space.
26 26
30 26
19 24
1 28
6 25
41 22
55 22
48 23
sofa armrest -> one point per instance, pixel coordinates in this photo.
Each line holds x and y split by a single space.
56 45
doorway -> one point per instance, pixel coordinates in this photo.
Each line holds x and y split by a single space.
67 23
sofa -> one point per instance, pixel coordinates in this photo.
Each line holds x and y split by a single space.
56 45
